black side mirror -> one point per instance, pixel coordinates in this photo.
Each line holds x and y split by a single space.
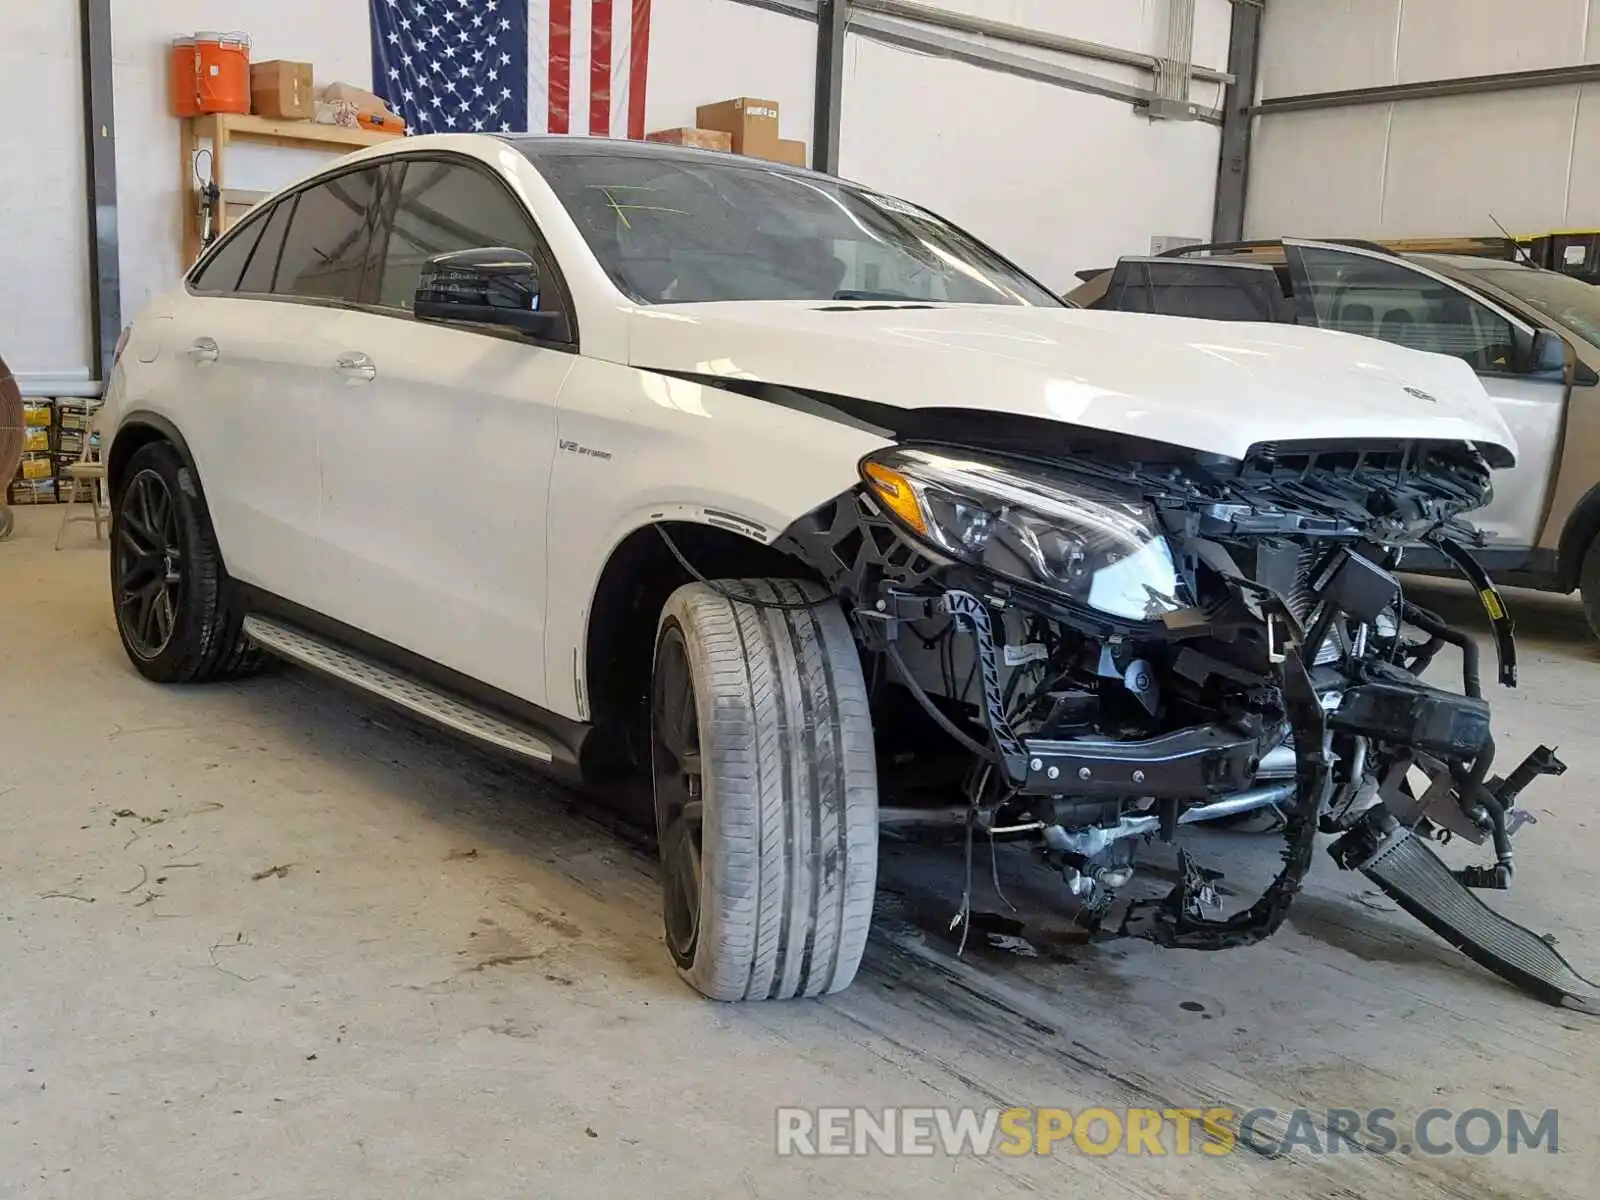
1549 353
495 285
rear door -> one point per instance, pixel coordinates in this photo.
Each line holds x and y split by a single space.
437 444
246 347
1361 291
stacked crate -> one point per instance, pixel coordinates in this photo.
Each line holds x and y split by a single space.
52 440
35 479
66 447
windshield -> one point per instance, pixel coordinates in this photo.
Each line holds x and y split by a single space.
1568 301
675 229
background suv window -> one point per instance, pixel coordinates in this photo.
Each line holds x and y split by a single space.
330 239
443 207
1388 300
1217 291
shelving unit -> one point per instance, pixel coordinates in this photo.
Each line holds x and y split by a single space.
221 130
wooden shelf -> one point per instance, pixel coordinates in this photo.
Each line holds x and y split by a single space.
237 127
222 129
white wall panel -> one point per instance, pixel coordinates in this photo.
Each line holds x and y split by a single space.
1333 45
1057 180
1138 25
1327 45
1455 161
1445 39
330 34
44 257
1128 24
1318 174
1532 158
1583 186
702 51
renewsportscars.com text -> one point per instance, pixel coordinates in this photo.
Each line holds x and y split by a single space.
1159 1132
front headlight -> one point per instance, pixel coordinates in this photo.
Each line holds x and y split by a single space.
1084 540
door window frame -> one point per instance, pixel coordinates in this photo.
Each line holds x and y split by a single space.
262 212
550 273
250 225
1520 329
386 197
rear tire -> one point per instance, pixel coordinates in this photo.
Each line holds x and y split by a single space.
175 609
766 792
1589 586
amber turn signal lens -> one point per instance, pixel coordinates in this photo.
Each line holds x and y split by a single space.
895 490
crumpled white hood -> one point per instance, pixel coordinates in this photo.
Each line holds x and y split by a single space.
1213 386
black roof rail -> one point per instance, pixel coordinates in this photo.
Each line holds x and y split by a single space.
1262 243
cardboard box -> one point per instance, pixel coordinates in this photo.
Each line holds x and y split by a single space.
282 90
796 154
701 139
751 123
35 467
33 491
72 415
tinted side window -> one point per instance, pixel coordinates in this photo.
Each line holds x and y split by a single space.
329 240
1213 291
263 264
221 274
444 207
1390 301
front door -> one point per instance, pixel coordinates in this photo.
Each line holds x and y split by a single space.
437 446
1381 296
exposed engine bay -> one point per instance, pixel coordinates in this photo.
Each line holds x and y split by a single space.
1119 649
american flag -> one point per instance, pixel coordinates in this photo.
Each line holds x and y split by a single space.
512 66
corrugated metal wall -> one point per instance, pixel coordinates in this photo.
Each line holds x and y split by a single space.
1420 167
1058 180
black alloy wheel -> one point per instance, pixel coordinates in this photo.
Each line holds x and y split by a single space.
149 575
679 792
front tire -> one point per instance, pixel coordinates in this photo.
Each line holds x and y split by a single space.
174 608
766 791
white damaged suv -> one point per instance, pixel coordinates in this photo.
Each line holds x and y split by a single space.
803 506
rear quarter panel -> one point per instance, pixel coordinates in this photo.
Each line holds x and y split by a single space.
143 380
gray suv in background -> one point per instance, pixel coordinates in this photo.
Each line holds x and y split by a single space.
1533 337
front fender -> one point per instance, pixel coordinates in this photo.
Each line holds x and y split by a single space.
637 447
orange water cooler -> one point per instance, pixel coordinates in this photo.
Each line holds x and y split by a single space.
210 73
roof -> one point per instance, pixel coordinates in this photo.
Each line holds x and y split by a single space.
546 146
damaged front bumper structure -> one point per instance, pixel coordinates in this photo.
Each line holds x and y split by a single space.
1305 696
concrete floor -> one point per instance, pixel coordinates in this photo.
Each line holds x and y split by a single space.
267 940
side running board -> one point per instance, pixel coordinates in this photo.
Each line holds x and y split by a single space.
402 691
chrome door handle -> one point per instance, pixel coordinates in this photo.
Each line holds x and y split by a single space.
204 350
356 368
